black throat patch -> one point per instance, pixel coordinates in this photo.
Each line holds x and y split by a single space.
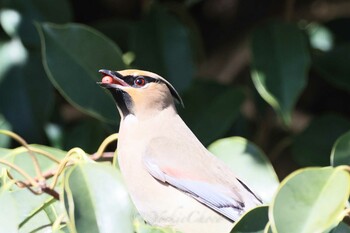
123 100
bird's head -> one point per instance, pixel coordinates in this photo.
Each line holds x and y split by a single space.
139 92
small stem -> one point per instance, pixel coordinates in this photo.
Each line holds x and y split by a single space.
56 225
29 217
58 172
22 172
20 140
21 184
51 192
44 153
64 162
104 144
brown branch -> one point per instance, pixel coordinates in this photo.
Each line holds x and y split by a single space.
50 173
105 156
51 192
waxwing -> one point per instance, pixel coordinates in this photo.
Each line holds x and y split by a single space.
173 180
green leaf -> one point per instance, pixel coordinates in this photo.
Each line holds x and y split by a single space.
9 213
254 220
30 205
25 84
12 54
320 37
72 56
268 228
24 80
4 125
341 228
341 151
310 200
211 109
249 163
22 159
39 223
280 65
162 45
18 17
313 146
142 227
4 152
334 66
96 200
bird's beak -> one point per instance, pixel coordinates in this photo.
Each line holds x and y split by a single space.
117 79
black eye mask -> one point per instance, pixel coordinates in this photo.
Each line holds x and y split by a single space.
130 79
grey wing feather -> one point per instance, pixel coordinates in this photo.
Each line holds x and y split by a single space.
214 197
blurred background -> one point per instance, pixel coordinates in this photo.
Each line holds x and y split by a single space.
274 72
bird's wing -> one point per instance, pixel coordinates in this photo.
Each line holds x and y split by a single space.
166 161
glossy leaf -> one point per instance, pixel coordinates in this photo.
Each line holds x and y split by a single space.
280 64
21 158
12 54
23 85
334 66
96 199
20 15
313 146
310 200
268 228
254 220
82 51
341 228
9 213
39 223
142 227
341 151
249 163
4 125
162 45
211 109
30 206
4 152
320 37
24 81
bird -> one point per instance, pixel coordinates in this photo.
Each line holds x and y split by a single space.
173 180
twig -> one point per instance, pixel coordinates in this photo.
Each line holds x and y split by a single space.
40 180
51 192
106 155
44 153
104 144
58 222
32 181
63 164
20 140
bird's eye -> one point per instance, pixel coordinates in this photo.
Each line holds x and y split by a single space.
140 81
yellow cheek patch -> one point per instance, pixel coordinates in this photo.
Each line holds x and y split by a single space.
144 96
135 94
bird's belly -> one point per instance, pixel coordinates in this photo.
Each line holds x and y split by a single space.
162 205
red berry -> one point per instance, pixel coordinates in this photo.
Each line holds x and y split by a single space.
107 79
